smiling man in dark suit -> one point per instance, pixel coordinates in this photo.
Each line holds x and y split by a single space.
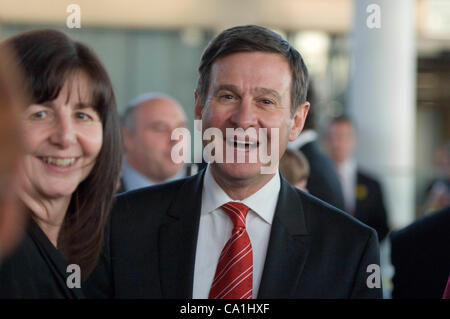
236 230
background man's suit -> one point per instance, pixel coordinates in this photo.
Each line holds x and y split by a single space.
315 250
323 181
421 258
370 207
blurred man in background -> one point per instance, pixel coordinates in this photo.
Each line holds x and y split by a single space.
148 122
323 181
438 192
362 193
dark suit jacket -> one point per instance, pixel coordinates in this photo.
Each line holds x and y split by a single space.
323 181
421 257
314 251
36 270
370 208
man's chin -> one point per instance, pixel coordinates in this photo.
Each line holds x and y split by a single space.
238 171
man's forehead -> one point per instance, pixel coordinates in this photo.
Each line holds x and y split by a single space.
264 71
160 109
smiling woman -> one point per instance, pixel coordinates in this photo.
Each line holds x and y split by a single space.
70 168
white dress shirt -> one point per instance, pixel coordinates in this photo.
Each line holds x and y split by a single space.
216 227
347 176
132 179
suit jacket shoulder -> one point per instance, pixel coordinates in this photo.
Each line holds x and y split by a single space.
323 181
324 252
151 229
419 253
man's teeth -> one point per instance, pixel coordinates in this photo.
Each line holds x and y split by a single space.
62 162
243 144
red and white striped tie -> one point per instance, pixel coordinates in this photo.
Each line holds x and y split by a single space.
234 273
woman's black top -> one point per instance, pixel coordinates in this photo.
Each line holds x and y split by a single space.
36 270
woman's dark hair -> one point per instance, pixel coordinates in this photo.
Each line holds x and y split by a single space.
48 58
253 38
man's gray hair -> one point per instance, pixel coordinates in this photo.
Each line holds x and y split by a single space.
127 118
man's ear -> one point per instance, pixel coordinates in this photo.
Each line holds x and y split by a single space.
127 139
299 120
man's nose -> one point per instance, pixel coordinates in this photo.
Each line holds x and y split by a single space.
245 114
63 133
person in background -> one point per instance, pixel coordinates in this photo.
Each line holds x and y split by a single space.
438 192
295 168
447 290
420 256
12 100
147 125
70 167
363 195
323 181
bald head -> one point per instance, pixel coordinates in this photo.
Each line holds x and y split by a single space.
148 124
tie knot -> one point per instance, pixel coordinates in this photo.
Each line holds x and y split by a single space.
237 212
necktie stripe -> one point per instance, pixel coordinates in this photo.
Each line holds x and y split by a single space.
228 266
238 214
247 294
243 276
233 261
234 272
230 242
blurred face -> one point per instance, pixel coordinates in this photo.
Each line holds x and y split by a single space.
148 145
11 214
301 185
63 138
249 90
341 141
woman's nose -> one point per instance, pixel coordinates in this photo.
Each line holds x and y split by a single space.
63 133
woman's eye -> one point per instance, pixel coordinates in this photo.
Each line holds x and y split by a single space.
83 116
39 115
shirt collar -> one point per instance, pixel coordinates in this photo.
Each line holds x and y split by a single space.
305 137
348 167
132 179
263 202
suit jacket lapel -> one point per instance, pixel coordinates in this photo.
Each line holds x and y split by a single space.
288 247
178 240
357 201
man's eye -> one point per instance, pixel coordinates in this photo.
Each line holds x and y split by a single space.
227 97
268 102
159 127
